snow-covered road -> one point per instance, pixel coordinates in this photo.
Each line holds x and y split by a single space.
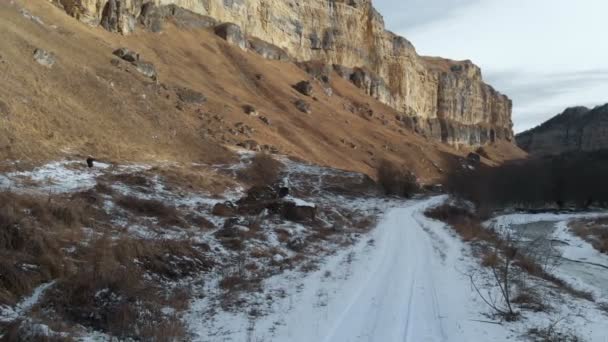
405 282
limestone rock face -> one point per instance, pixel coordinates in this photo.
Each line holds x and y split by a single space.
576 129
349 35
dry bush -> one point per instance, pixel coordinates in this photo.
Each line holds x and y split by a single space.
593 231
465 223
263 170
151 208
396 180
110 290
552 333
33 231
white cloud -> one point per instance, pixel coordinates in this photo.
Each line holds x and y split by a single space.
545 54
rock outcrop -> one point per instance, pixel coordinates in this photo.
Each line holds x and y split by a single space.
444 99
576 129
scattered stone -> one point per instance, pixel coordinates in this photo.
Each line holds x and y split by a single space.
126 54
232 34
265 120
115 62
283 192
226 209
190 96
329 92
304 87
303 106
296 244
146 69
44 58
250 110
31 17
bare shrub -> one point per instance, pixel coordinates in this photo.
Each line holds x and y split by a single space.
397 180
263 170
552 333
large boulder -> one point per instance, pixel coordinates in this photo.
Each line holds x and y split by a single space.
304 88
146 69
232 33
152 17
267 50
298 212
126 54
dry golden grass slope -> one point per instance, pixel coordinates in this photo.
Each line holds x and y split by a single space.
85 105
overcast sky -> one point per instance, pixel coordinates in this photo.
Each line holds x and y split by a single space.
545 54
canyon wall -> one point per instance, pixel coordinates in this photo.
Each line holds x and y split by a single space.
444 99
576 129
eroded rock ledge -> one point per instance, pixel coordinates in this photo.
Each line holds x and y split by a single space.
444 99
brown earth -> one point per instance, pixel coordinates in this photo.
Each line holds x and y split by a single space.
85 105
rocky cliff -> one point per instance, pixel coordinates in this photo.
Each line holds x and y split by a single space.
576 129
444 99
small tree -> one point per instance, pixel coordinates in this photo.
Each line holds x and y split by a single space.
503 278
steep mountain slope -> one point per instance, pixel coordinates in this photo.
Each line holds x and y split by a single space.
576 129
445 99
91 102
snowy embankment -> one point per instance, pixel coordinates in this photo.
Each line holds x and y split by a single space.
406 281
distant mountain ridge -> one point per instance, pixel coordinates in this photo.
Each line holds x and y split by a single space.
576 129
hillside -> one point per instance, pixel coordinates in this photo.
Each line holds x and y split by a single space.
91 102
447 100
577 129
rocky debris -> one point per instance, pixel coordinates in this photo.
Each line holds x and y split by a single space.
250 145
232 34
147 69
268 198
152 17
318 70
225 209
126 54
44 58
267 50
190 96
304 88
90 162
243 129
250 110
303 107
576 129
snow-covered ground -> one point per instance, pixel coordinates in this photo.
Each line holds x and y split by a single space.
406 281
